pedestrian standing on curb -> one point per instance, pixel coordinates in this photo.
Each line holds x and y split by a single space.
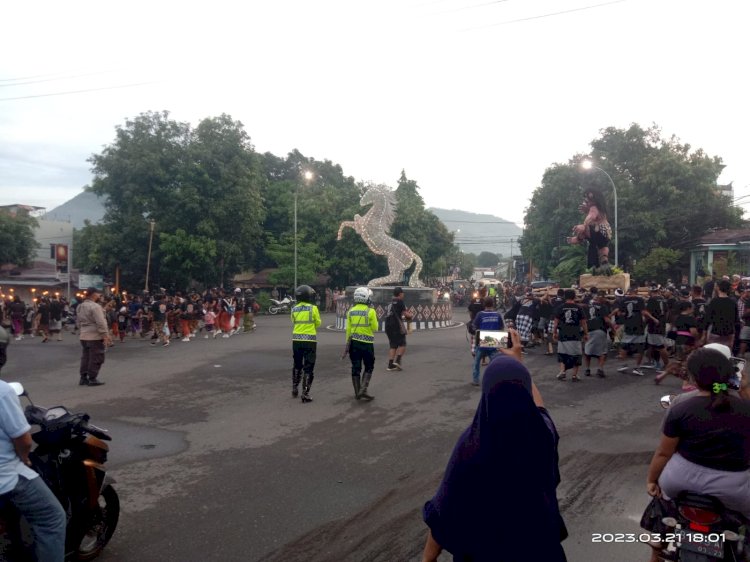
94 337
361 325
305 322
395 329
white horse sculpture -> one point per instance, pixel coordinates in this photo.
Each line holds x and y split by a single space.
374 227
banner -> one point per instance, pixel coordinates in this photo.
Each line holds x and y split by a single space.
61 257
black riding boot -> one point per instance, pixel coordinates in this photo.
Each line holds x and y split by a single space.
306 384
365 383
296 377
355 383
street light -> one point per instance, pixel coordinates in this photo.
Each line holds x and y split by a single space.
588 165
148 259
308 176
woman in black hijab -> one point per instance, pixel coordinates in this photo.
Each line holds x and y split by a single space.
497 501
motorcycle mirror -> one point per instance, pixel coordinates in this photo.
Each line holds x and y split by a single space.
666 400
17 388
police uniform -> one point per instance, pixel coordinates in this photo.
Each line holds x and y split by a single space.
361 325
305 323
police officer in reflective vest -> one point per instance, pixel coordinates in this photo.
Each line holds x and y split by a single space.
305 322
361 325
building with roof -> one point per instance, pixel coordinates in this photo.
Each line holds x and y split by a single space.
723 252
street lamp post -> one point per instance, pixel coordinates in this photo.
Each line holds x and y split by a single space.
307 175
587 165
148 259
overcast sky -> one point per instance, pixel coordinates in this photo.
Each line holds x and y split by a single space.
473 98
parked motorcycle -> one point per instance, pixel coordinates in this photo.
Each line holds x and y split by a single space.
284 305
698 528
70 455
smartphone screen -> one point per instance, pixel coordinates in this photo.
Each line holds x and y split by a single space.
494 339
735 381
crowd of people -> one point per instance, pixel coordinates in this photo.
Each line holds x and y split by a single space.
161 316
654 329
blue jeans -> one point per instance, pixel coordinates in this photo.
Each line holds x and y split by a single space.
45 515
478 359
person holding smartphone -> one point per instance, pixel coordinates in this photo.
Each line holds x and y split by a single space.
502 475
487 319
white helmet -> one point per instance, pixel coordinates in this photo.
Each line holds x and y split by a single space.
362 295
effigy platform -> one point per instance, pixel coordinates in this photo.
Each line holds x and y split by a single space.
605 282
428 311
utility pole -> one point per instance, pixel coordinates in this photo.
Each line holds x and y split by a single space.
148 259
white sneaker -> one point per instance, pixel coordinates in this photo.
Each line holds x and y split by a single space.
205 337
225 336
623 369
186 338
638 372
216 334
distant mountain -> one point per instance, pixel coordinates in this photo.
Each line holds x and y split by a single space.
478 233
475 233
84 206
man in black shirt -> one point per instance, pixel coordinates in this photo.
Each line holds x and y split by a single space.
597 320
633 310
395 329
721 316
571 323
658 308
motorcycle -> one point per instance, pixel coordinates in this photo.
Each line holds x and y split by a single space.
698 528
70 454
284 305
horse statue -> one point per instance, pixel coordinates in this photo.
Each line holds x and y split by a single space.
374 227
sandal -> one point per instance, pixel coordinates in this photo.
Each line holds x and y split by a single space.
561 376
575 378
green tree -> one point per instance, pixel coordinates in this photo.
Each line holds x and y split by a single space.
659 265
17 243
425 234
666 193
203 182
571 265
310 263
487 259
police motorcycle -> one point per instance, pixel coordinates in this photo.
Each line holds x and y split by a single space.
284 305
70 455
696 527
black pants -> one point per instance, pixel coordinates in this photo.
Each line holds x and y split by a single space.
3 354
92 358
361 352
304 355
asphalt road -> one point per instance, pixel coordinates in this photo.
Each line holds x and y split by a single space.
215 461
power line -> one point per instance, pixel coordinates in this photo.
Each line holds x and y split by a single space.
30 81
479 222
461 9
82 91
549 15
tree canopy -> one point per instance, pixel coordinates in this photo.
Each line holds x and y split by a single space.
219 208
666 192
17 243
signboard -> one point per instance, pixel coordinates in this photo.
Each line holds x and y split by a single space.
61 257
63 277
86 281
